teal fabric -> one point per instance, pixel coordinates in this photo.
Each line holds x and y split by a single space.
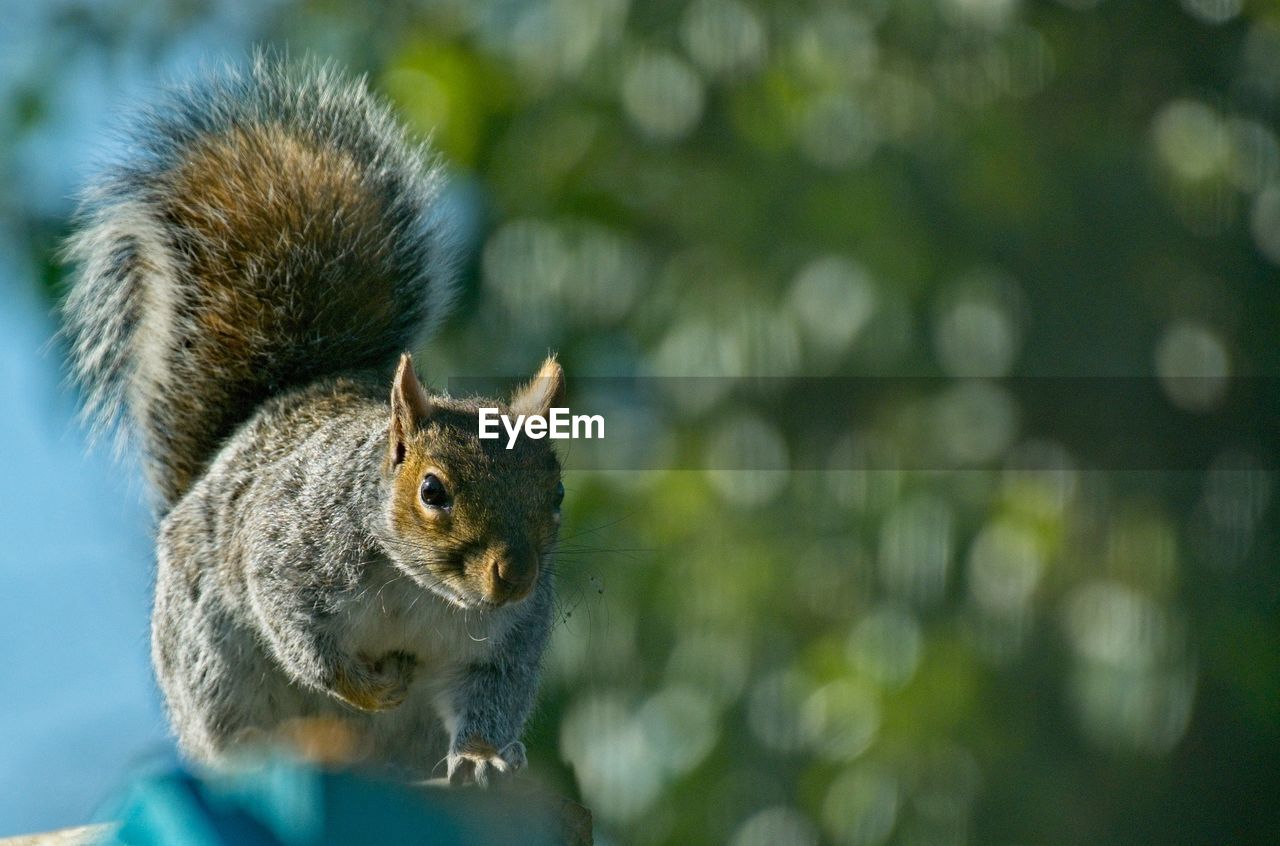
284 804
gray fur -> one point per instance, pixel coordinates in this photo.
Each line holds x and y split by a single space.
231 329
278 568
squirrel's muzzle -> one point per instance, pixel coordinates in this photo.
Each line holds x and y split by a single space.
509 574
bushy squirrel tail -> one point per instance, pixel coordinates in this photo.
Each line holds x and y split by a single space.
272 226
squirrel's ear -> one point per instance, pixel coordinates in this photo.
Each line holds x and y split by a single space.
543 392
410 405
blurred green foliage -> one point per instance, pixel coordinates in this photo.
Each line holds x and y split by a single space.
1027 649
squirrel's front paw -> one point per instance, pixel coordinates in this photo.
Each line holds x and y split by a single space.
376 684
479 762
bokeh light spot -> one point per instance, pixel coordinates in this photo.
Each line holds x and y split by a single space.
1193 366
886 645
841 719
748 461
915 549
1005 565
723 36
832 298
776 826
1192 140
663 95
861 806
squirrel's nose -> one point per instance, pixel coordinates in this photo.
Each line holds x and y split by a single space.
511 574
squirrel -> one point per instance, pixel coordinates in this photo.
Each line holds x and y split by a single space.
335 542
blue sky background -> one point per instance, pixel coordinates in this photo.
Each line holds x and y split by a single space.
80 709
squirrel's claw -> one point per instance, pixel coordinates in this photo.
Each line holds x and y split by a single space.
477 762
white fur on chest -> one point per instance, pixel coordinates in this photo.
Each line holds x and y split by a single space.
392 613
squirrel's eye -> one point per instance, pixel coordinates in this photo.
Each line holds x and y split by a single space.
558 496
433 492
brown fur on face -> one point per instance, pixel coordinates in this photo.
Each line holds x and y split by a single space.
487 545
